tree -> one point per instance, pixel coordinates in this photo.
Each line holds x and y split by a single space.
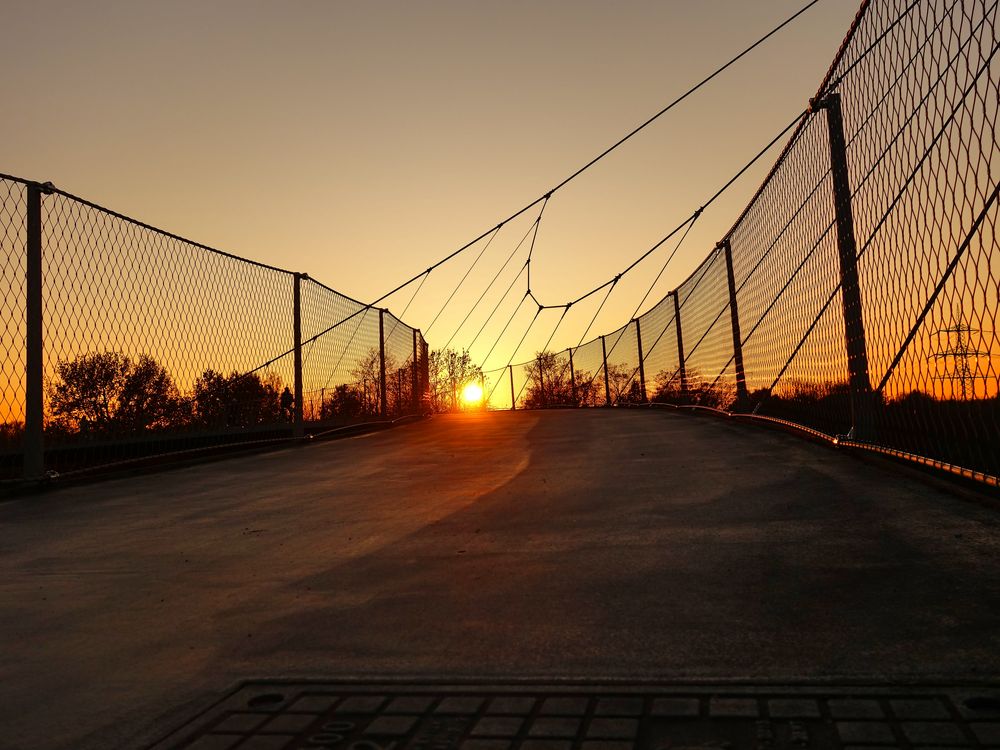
668 387
549 382
237 400
623 382
345 401
719 394
367 374
450 372
400 390
11 434
588 391
107 392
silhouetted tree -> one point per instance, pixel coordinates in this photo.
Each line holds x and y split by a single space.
450 372
400 390
623 382
107 392
589 388
11 434
237 400
549 382
345 401
720 395
367 374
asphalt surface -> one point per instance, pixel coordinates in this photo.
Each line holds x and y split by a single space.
569 544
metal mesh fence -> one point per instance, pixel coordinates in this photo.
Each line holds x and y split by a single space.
151 344
857 294
12 308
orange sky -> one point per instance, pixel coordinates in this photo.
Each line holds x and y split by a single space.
362 141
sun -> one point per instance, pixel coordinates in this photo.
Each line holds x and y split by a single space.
472 394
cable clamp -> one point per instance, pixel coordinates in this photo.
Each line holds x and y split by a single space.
819 103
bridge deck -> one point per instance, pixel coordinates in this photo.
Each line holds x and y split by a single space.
561 544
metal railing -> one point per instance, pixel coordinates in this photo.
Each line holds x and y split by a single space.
124 342
857 294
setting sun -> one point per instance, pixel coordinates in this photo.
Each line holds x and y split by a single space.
472 394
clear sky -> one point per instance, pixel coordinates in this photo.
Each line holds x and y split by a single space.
362 141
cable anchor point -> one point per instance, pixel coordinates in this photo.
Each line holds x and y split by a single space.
818 103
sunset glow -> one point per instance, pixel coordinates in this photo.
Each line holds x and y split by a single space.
472 394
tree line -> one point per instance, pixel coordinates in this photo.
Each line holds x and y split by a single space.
111 393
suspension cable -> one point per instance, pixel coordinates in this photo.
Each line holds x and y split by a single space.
621 141
490 285
502 332
527 330
648 291
544 349
495 308
695 215
599 308
462 281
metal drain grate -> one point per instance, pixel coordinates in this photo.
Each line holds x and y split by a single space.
271 716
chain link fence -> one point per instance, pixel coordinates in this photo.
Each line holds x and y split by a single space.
124 342
856 296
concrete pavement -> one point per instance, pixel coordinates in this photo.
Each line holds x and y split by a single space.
582 544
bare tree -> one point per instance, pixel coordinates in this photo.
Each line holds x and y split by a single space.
450 372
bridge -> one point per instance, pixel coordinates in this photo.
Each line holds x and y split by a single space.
561 545
243 509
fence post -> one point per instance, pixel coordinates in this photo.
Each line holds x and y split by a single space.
34 401
513 404
297 426
541 382
381 362
854 327
425 373
607 383
572 377
742 397
642 367
680 348
415 396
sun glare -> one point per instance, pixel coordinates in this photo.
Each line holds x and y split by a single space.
472 394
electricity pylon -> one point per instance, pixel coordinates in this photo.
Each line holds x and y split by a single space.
960 351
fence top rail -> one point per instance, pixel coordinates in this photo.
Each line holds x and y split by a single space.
14 178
